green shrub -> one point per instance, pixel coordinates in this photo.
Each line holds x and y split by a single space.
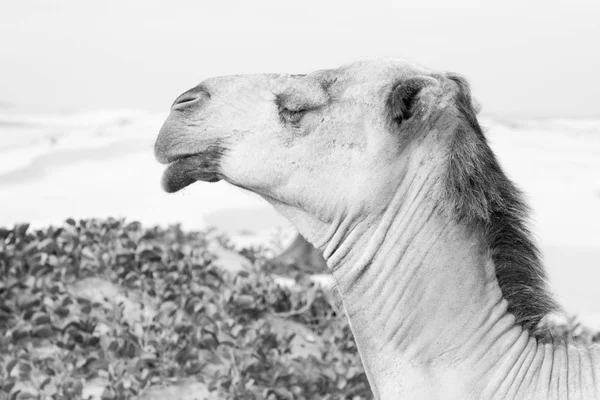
187 319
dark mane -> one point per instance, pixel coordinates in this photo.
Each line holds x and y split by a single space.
482 196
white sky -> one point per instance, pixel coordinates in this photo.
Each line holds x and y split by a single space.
523 58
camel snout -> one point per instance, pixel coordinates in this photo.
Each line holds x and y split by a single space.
192 98
179 135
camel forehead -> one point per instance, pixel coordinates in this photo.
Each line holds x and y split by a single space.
382 68
374 73
371 78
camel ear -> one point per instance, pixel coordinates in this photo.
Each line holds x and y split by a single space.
404 98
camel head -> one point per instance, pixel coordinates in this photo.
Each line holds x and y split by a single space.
319 146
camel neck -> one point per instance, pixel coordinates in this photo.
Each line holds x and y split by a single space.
420 293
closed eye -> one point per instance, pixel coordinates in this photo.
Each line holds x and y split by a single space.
288 116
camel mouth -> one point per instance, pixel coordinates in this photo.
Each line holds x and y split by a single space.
187 169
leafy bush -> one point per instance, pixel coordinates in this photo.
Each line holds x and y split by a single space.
168 314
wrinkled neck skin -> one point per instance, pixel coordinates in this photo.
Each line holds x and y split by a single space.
426 311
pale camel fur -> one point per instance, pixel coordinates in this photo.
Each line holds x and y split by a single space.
383 167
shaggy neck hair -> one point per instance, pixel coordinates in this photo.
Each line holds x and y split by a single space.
478 193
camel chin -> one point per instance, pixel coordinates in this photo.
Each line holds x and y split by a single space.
183 172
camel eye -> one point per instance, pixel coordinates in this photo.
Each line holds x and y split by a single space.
288 116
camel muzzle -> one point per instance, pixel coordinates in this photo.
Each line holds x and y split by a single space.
189 156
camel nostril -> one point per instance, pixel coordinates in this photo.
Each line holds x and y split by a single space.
186 100
191 96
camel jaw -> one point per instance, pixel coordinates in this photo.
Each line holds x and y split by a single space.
187 169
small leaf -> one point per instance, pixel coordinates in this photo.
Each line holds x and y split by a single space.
44 331
20 230
87 253
62 311
52 261
47 246
11 364
150 255
113 346
243 301
235 331
40 318
4 233
27 394
86 308
19 334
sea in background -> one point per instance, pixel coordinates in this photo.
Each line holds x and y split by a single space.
100 164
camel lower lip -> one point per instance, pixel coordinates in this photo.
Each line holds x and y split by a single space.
185 171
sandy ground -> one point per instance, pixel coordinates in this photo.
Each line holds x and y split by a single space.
112 172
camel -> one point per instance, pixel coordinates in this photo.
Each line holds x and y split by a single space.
383 166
